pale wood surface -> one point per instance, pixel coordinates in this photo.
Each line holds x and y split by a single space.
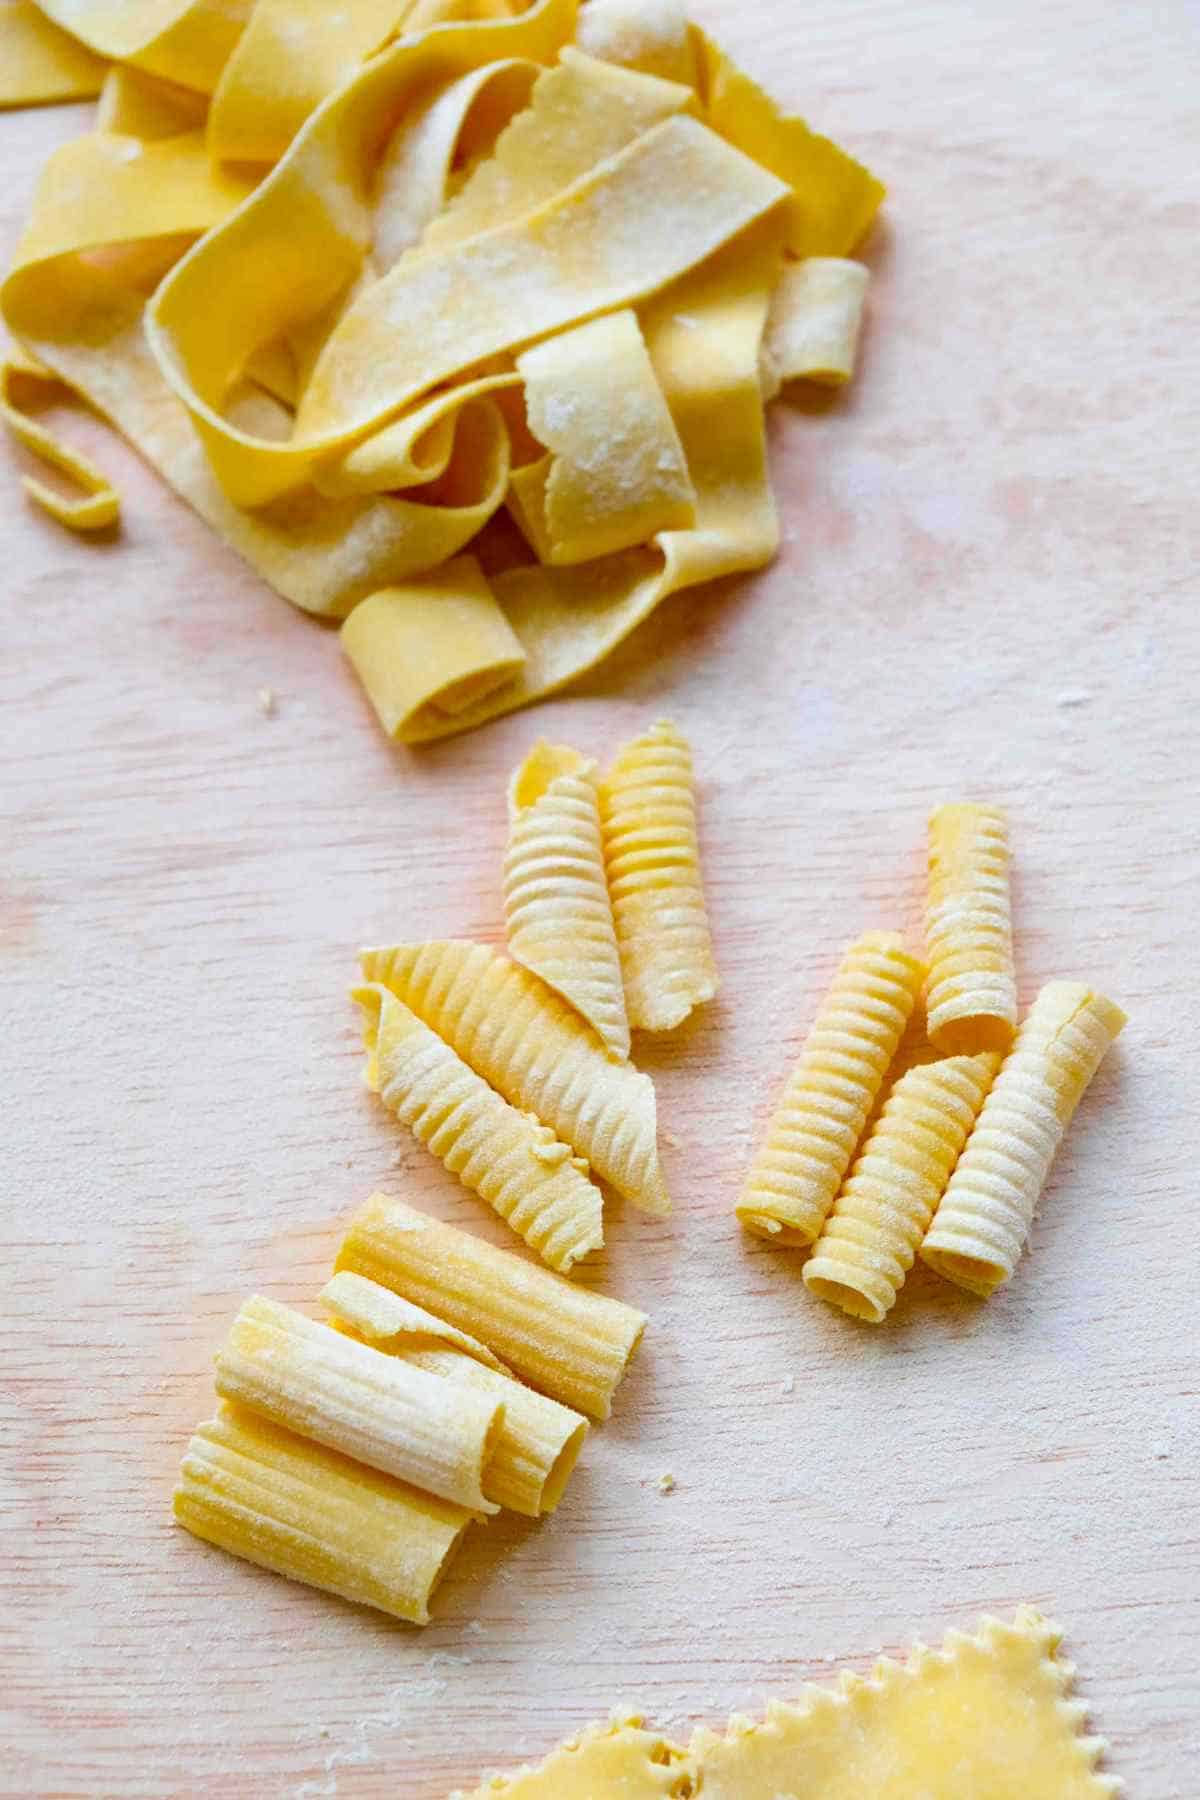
987 589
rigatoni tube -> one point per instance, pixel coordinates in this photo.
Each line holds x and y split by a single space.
539 1440
569 1343
290 1505
314 1380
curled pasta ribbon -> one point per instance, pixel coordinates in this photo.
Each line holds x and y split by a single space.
617 473
99 506
971 995
41 63
565 1340
869 1240
184 41
652 855
539 1440
980 1228
812 1135
556 907
507 1157
651 35
533 1048
309 1513
312 1379
814 323
428 649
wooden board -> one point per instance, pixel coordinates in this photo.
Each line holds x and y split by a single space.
987 588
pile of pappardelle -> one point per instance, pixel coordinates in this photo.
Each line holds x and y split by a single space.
358 280
966 1111
353 1455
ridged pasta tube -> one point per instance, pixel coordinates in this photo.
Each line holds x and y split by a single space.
538 1442
312 1379
569 1343
979 1230
971 995
868 1242
507 1157
556 905
306 1512
817 1124
651 851
534 1049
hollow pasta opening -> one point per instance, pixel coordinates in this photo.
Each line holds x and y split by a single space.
970 1036
560 1469
978 1274
840 1293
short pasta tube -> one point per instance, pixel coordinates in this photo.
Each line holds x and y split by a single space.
869 1240
816 1126
511 1160
971 993
651 851
980 1228
304 1511
556 906
814 322
539 1440
314 1380
534 1049
567 1342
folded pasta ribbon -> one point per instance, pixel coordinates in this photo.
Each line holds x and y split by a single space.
99 505
39 62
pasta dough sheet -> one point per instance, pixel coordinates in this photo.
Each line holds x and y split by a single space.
984 1718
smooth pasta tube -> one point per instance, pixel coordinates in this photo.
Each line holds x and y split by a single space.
507 1157
648 811
971 995
312 1379
569 1343
306 1512
556 906
536 1051
817 1124
868 1242
980 1228
538 1442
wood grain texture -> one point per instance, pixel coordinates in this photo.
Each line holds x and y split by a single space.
988 590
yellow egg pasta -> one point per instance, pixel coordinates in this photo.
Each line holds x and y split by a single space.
39 62
538 1441
567 1342
557 912
530 1046
430 648
616 473
314 1380
652 855
815 1128
869 1240
978 1719
185 41
971 996
511 1160
289 1505
814 323
980 1228
651 35
99 506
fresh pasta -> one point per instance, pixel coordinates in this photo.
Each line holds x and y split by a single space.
538 1441
567 1342
530 1046
314 1380
652 854
971 996
814 323
557 912
511 1160
307 1512
869 1240
815 1128
980 1228
354 278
